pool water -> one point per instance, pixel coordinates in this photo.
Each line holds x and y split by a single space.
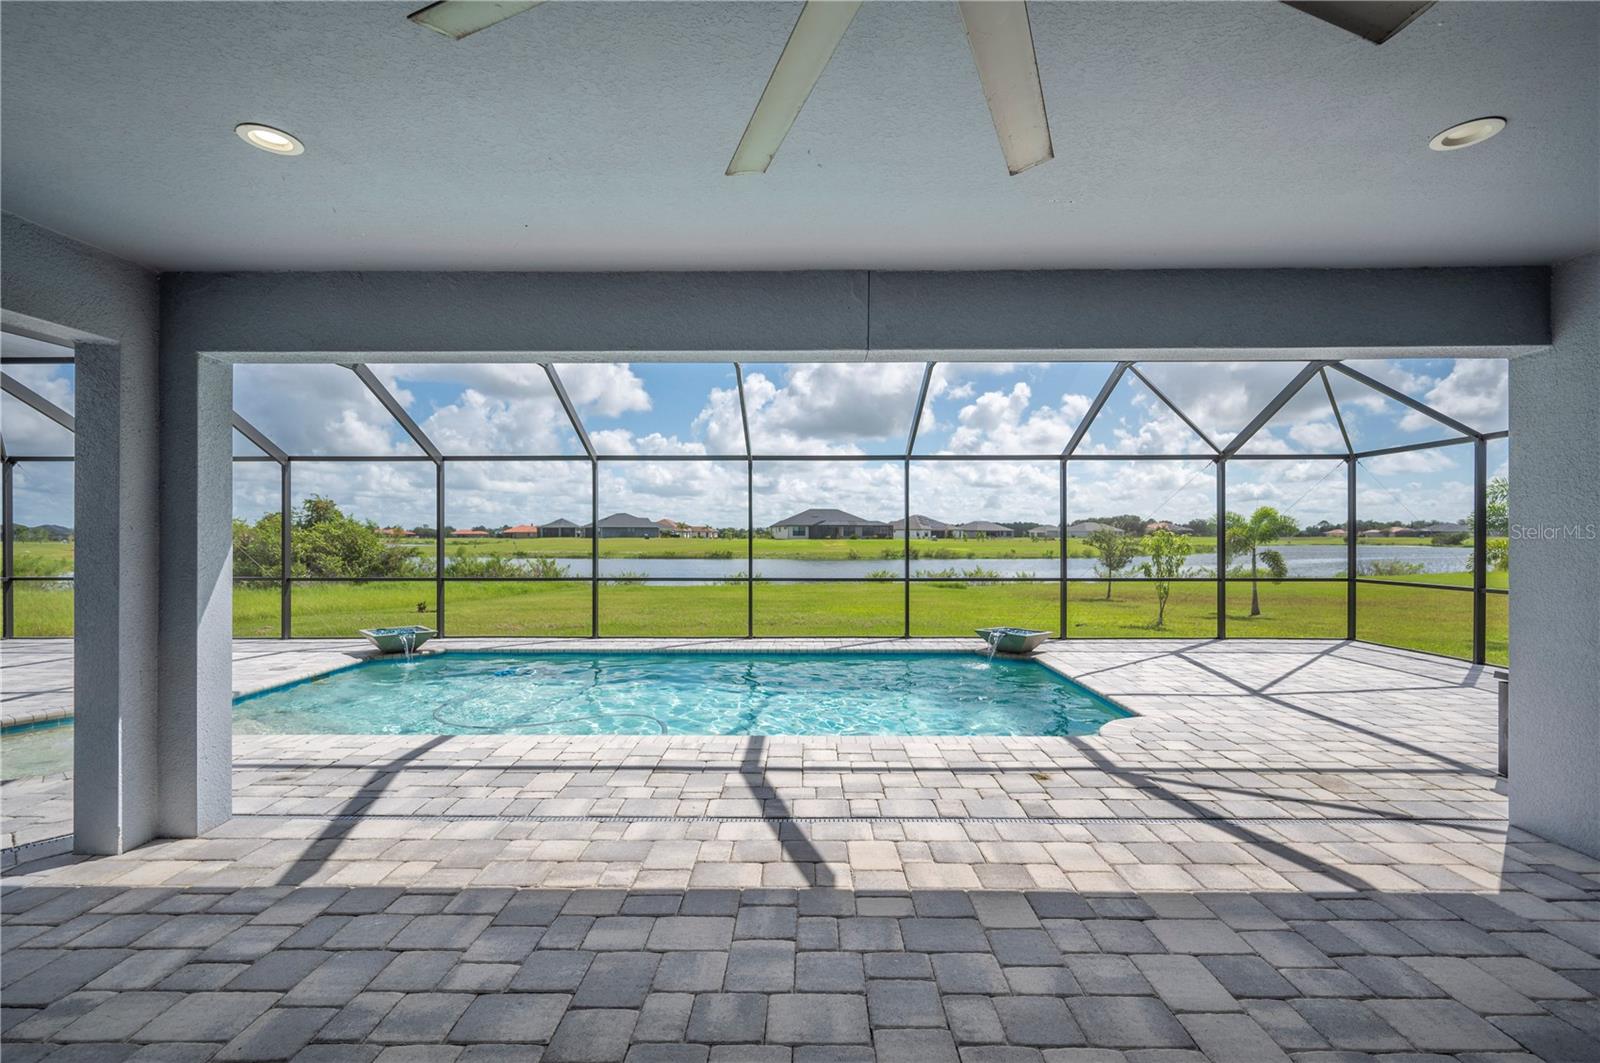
36 749
683 694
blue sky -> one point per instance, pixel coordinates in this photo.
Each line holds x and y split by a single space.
831 409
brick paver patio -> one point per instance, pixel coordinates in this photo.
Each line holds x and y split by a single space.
1296 850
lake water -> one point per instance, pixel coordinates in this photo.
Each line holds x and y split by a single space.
1319 560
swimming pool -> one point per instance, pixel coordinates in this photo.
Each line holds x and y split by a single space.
683 694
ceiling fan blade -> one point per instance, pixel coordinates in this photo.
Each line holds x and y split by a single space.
811 43
1376 20
462 18
1002 47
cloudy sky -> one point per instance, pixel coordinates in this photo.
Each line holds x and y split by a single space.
829 410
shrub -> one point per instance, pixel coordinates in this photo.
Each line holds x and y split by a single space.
1391 568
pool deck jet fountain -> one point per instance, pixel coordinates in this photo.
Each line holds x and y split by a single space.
405 640
1012 640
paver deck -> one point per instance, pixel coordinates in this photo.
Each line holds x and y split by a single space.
1295 850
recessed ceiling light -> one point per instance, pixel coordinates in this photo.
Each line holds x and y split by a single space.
268 139
1467 134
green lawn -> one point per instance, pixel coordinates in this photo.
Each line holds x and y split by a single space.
41 559
1436 621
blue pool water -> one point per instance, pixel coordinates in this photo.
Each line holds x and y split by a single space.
690 694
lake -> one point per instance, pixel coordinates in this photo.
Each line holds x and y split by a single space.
1322 560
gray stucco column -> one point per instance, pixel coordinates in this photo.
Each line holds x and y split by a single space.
195 729
1555 566
116 776
106 309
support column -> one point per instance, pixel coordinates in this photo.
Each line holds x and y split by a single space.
1555 563
194 732
116 587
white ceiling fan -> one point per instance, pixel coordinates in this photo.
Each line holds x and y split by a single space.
1002 48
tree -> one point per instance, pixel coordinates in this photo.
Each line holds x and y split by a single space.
329 543
1167 553
1115 550
1249 536
1497 511
318 510
258 547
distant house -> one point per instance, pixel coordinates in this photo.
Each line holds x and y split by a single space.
668 527
470 533
521 531
1044 531
982 529
830 524
628 526
560 529
1398 532
922 527
396 533
1082 529
1446 529
696 531
1337 533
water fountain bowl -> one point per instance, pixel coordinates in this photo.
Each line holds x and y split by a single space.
1017 640
396 639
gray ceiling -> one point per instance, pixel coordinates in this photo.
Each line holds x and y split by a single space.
594 135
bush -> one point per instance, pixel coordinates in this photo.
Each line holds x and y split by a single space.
1450 539
326 542
1391 568
504 565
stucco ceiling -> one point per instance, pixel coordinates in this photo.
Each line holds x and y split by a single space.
595 135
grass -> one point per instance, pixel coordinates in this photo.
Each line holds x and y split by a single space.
1435 621
41 559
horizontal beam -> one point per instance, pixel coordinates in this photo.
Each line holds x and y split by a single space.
1093 315
584 459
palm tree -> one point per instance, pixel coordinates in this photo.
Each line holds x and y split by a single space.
1249 536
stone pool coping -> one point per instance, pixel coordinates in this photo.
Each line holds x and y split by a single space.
731 646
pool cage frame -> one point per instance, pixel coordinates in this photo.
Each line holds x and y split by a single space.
1219 456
